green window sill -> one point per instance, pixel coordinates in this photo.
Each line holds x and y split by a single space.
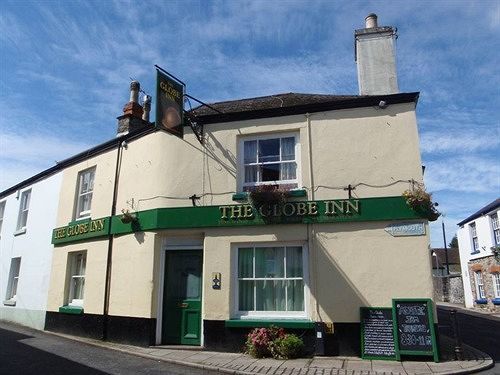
75 310
265 323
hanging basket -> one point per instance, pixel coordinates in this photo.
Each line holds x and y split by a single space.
269 197
127 217
421 202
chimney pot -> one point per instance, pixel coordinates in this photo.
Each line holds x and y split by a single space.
371 21
147 108
135 87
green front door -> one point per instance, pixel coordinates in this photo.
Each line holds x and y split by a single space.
182 297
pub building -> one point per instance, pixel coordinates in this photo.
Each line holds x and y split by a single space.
281 209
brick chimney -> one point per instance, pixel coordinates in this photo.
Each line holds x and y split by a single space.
376 58
132 120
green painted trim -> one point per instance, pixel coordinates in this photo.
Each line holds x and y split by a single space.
430 316
297 193
370 209
75 310
240 197
81 230
265 323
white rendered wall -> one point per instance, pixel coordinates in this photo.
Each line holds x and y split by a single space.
35 249
484 232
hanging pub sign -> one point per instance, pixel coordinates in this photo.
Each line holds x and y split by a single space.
169 104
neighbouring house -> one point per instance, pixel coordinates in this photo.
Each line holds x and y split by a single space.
479 244
448 287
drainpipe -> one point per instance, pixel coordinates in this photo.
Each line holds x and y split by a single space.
107 285
311 179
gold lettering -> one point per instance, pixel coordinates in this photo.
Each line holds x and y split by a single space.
235 212
100 224
288 212
301 209
276 210
312 208
338 206
247 211
268 211
223 210
352 204
328 208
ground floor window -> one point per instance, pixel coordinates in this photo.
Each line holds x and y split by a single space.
15 265
77 264
496 284
271 279
479 285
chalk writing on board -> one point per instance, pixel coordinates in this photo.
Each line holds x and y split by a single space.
378 335
413 326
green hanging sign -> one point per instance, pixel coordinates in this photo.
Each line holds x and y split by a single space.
169 104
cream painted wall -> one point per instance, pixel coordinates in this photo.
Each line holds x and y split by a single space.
93 299
132 284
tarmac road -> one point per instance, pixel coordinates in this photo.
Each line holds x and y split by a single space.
24 351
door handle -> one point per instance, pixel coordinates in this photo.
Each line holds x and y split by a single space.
183 305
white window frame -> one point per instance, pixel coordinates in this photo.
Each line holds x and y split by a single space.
478 278
23 209
495 227
474 239
72 263
79 214
2 213
237 314
241 165
13 283
496 284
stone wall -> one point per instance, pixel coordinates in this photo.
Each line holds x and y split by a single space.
449 289
487 265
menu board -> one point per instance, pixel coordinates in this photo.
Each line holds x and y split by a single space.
414 325
377 333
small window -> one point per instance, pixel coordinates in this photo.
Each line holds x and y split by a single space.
496 284
475 241
2 211
24 205
479 285
271 280
77 263
15 265
496 228
270 161
85 189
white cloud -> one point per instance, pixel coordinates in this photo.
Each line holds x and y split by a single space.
459 141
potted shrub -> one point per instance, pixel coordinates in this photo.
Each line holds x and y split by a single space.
421 202
273 342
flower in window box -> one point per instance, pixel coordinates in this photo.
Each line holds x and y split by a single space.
268 196
421 202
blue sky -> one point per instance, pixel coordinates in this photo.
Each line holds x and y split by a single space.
65 67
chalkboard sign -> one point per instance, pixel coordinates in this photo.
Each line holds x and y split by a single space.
414 327
377 333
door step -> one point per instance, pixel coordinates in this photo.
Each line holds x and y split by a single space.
178 347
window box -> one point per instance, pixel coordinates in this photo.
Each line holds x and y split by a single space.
496 301
74 310
482 301
240 197
265 323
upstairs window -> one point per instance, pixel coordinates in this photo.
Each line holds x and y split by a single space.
85 189
2 211
496 284
475 241
15 265
270 160
77 263
24 204
496 228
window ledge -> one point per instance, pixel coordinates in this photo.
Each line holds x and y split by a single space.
283 323
20 231
496 301
475 252
482 301
9 302
295 193
75 310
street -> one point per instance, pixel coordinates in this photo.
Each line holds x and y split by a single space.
26 351
478 330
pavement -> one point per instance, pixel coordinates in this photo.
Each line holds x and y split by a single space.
242 364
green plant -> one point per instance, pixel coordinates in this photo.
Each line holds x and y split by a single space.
421 202
287 347
496 252
268 198
260 341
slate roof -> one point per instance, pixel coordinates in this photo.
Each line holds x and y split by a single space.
290 104
453 255
486 209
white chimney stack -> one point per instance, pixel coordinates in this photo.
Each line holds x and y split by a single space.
376 59
147 108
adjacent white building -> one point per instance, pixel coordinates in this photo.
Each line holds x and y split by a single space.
27 216
478 237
